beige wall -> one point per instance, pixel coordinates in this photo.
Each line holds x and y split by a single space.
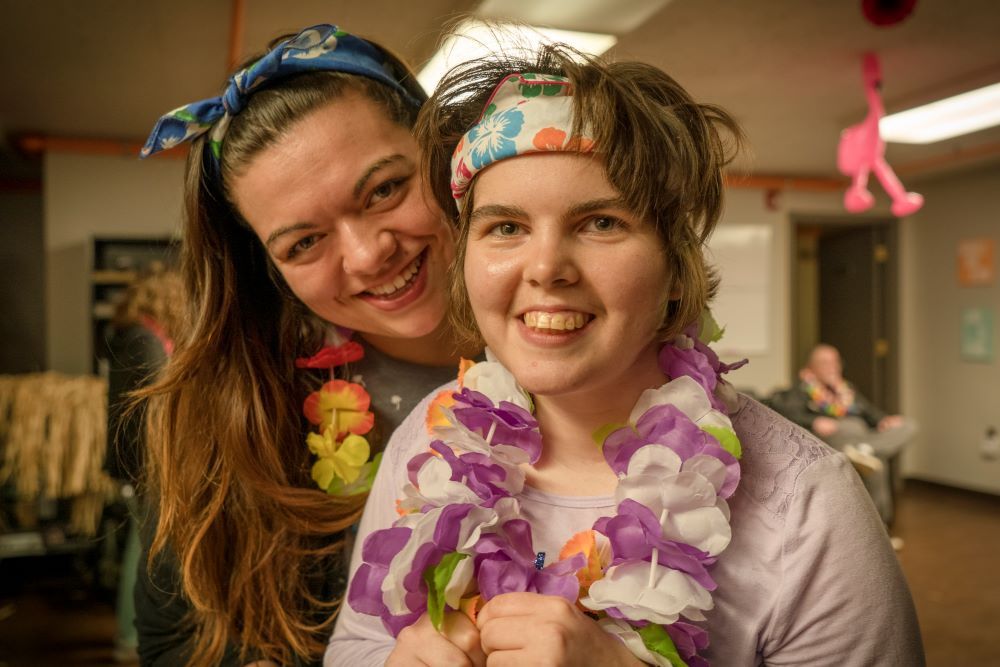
774 369
88 196
954 400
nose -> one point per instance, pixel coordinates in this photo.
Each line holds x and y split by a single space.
365 247
549 261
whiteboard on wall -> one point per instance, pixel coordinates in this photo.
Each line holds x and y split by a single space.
742 254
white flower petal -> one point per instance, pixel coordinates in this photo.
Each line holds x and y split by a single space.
497 383
457 586
708 467
705 528
653 460
684 393
627 586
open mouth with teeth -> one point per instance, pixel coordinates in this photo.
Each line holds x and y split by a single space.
401 283
555 323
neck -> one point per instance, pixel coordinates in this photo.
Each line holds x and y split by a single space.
568 422
438 348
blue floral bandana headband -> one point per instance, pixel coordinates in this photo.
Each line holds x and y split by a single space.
527 113
319 48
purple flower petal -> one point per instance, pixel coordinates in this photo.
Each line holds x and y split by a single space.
511 424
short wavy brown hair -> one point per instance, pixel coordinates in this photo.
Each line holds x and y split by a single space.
664 152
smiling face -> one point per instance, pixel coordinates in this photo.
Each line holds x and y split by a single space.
567 286
340 206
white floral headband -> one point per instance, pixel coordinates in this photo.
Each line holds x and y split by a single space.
527 113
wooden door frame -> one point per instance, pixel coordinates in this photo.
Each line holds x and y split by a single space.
824 224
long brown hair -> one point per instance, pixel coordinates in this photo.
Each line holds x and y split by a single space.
227 464
663 152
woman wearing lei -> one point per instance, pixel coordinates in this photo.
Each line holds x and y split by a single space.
595 493
306 221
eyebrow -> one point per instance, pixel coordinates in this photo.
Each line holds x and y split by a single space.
504 211
373 169
281 231
596 205
497 211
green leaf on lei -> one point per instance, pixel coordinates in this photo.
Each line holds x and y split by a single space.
437 577
710 331
727 438
659 642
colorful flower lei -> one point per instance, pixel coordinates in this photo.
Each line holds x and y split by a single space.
339 410
833 401
460 539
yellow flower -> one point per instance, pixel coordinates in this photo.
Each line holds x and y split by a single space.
338 459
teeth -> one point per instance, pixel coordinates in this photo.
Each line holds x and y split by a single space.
561 321
399 282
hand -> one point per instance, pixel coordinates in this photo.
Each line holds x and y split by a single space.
824 427
532 629
890 422
421 645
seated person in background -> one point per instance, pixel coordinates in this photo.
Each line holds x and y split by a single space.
829 406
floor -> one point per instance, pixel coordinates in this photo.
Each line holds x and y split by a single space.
50 615
952 539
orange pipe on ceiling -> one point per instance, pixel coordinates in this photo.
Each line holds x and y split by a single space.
236 35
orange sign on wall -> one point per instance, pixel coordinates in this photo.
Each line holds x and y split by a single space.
976 262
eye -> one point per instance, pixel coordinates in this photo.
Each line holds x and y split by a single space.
604 223
385 190
302 245
505 229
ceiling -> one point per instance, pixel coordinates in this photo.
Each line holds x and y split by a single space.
789 70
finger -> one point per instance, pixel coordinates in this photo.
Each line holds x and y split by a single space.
463 633
422 644
510 659
518 604
511 633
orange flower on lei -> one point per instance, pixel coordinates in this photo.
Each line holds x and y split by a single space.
435 414
342 405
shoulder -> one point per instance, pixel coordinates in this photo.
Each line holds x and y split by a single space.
412 437
777 456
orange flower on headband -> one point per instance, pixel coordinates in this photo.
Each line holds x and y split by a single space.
554 139
549 139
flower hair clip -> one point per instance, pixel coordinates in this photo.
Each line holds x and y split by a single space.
340 412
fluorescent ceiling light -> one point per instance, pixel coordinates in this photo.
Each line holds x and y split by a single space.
944 119
474 39
618 17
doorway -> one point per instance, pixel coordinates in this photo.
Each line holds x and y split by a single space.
846 293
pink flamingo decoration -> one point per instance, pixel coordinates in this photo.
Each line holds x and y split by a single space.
862 151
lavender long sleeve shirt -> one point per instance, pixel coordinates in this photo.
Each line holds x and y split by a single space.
809 577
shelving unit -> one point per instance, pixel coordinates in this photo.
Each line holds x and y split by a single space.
116 263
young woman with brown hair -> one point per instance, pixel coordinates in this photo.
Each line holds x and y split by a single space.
304 208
